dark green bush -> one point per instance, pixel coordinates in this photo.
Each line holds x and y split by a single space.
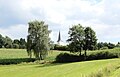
15 61
66 57
102 55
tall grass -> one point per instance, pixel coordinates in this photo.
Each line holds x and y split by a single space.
106 71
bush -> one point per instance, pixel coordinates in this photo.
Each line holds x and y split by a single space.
15 61
60 47
103 48
66 57
102 55
16 46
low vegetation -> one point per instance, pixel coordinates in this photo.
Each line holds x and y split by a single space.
95 68
76 69
92 55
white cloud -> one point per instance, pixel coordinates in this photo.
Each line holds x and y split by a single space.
15 31
102 15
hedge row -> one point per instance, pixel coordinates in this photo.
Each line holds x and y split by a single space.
66 57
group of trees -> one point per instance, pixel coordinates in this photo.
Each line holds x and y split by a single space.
81 38
38 41
105 45
7 42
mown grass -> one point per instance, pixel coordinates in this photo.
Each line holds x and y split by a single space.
16 56
95 68
77 69
13 53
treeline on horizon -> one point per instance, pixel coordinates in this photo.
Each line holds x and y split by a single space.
7 42
100 46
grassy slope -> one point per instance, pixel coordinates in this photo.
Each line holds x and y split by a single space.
77 69
13 53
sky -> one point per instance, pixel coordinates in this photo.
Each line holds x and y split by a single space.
103 16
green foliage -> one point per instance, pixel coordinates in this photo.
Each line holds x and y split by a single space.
60 47
38 40
16 46
1 41
51 45
111 46
8 42
92 55
103 48
102 55
22 43
81 38
118 45
76 38
90 39
66 57
105 45
15 61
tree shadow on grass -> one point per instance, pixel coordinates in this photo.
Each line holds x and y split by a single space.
15 61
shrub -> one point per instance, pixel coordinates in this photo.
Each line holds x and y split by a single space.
103 48
60 47
102 55
16 46
66 57
15 61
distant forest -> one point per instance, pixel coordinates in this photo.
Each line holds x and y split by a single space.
7 42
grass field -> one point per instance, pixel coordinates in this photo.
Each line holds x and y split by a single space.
95 68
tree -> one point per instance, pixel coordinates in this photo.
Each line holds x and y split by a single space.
1 41
111 46
76 38
22 43
8 42
99 45
15 45
81 38
16 41
90 39
38 39
118 44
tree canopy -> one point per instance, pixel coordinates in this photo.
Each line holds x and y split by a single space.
81 38
38 40
76 38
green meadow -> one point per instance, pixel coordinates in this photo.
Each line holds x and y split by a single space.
93 68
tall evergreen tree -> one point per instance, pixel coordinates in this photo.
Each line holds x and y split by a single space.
38 39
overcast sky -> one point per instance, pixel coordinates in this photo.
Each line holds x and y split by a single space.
103 16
